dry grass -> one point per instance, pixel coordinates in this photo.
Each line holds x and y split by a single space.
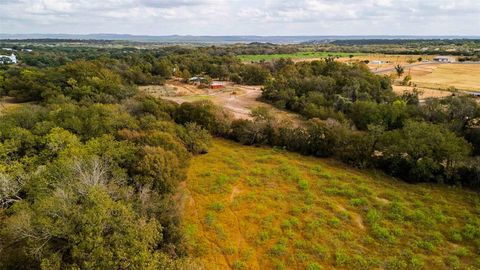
389 61
7 103
425 92
258 208
460 76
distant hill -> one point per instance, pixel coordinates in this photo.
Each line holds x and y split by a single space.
219 39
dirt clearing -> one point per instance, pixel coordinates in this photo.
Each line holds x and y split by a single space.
238 99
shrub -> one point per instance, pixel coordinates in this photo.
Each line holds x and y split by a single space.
453 262
314 266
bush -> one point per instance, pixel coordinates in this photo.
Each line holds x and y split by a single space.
197 140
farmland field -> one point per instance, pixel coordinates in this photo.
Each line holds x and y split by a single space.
294 56
460 76
261 208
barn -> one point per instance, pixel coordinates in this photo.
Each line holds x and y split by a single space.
216 85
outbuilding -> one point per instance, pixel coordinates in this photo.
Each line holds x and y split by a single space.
473 93
216 85
443 59
5 59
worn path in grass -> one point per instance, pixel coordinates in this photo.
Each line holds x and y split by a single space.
260 208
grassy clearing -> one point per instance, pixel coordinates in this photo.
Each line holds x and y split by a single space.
261 208
299 55
7 104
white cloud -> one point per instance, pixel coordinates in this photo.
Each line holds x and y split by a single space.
224 17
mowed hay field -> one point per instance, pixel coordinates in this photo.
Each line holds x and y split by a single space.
460 76
259 208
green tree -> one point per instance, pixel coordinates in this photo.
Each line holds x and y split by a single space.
399 70
422 152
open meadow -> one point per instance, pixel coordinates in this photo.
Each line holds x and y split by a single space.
262 208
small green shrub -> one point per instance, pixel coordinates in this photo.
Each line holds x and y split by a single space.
427 245
455 236
453 262
396 211
238 265
358 201
280 248
419 217
471 232
341 191
314 266
341 258
263 236
461 252
217 207
382 233
373 216
209 218
334 222
303 184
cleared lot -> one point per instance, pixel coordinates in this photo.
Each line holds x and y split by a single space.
238 99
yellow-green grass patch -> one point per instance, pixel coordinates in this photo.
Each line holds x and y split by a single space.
262 208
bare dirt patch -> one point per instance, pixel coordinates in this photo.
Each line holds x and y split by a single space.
235 192
238 99
383 200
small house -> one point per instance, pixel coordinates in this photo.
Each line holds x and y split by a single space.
376 62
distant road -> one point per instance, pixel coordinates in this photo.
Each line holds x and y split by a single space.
384 70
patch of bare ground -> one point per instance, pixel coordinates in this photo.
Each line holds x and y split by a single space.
356 218
236 98
235 192
382 200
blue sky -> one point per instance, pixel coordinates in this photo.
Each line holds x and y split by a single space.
237 17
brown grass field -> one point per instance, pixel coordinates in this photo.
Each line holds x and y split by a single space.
460 76
389 60
425 92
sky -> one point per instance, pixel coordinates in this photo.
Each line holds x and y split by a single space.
241 17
